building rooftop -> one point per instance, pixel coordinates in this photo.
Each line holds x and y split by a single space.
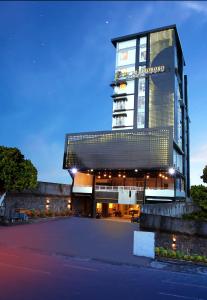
142 33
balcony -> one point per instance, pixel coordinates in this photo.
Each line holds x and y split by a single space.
107 188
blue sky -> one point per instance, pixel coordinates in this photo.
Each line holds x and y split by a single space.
57 61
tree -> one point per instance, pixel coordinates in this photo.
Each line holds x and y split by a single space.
204 176
16 172
199 195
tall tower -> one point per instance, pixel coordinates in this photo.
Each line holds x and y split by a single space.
145 157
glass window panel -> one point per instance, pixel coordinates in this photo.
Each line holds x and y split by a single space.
142 49
141 103
141 88
143 41
127 44
140 119
126 57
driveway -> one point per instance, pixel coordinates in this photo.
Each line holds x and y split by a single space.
103 239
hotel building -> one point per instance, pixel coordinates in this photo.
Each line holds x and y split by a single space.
145 157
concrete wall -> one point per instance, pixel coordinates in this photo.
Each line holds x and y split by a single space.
174 209
170 224
55 196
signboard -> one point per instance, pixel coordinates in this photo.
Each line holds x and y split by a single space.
123 74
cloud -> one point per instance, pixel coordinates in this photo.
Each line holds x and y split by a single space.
196 6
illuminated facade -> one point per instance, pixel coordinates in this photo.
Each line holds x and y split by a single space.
145 158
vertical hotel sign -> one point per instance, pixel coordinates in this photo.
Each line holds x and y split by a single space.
123 74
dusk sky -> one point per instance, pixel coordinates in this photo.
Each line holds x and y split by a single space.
57 62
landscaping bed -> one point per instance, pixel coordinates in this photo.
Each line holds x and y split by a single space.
161 252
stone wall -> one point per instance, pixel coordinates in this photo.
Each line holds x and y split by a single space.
172 225
174 209
51 196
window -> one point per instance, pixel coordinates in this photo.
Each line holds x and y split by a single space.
126 57
126 53
140 119
120 120
119 105
127 44
142 49
142 86
141 103
125 88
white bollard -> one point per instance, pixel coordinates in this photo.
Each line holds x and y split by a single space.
144 244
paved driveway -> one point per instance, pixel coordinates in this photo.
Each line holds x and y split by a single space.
103 240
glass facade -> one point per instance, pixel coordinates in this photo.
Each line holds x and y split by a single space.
161 86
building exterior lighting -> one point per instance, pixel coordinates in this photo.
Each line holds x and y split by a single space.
91 170
136 170
124 176
109 176
147 176
99 176
105 175
160 175
171 171
119 175
74 170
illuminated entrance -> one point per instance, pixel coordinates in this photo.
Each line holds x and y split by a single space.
117 210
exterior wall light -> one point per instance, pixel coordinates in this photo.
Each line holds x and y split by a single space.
99 176
105 175
136 170
171 171
147 176
124 176
109 176
160 175
119 175
91 170
74 170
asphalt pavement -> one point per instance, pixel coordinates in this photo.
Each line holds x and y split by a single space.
57 260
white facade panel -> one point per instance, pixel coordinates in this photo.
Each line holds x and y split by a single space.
127 196
159 193
82 189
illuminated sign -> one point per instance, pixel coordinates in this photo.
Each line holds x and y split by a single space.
123 74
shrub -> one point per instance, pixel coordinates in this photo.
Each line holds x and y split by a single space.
162 252
49 213
42 214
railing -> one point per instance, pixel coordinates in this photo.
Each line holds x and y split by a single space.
118 188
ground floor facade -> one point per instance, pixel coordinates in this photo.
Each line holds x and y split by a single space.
125 167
